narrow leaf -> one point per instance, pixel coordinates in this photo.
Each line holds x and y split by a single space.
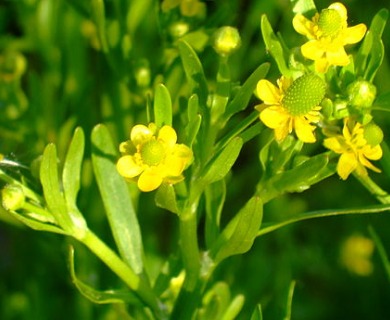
239 235
223 162
257 314
241 99
162 106
274 46
98 296
116 198
51 188
194 72
72 167
215 195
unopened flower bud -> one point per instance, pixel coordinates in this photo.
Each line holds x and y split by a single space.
226 41
373 134
12 197
361 94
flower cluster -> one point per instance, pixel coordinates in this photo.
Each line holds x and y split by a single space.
152 157
306 98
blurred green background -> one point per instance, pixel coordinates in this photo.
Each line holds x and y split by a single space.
56 75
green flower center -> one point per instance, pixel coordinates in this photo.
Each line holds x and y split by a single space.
330 22
373 134
304 94
152 153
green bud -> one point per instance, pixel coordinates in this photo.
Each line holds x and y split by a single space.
12 197
361 94
304 94
340 109
373 134
226 41
178 29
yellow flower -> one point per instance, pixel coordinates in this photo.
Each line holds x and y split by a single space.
152 157
356 253
291 106
356 146
328 33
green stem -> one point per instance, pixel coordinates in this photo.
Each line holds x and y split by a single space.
374 189
267 228
124 272
190 250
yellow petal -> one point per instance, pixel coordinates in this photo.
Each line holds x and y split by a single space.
140 134
127 167
373 153
168 135
268 92
340 8
334 145
303 26
322 65
367 163
149 180
337 57
346 165
313 50
274 117
354 34
304 130
282 132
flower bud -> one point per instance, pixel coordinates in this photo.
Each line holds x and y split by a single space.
226 40
361 94
373 134
12 197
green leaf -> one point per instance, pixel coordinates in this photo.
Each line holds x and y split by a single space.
215 195
51 188
194 120
35 224
223 162
274 46
239 235
72 167
98 296
166 198
296 179
234 308
371 53
162 106
241 99
98 12
257 314
194 72
116 198
304 7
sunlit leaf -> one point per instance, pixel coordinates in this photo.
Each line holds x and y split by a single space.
116 198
